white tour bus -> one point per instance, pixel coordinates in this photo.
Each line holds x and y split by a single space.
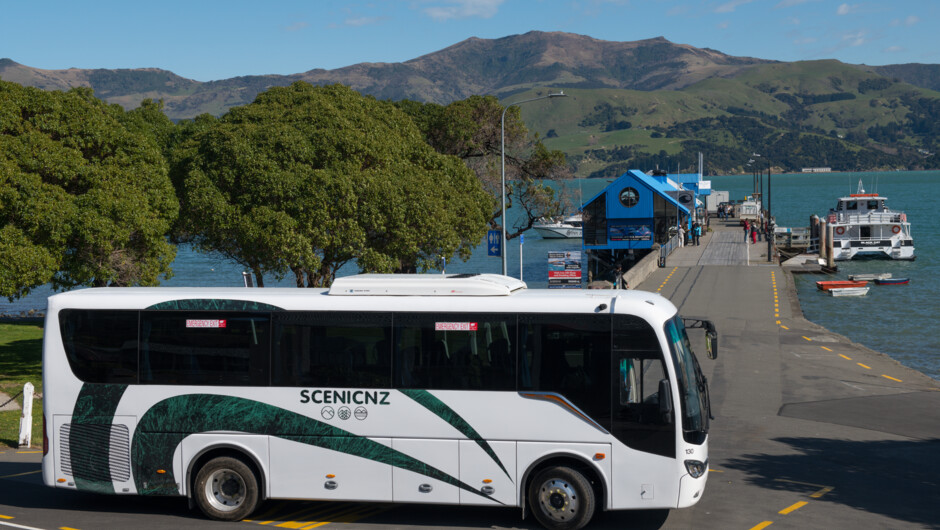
460 389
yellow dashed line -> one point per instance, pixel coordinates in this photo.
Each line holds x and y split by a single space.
822 492
807 338
825 348
863 366
67 528
891 378
5 517
793 508
846 357
765 524
21 474
784 327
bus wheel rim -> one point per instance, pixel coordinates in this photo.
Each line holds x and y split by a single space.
558 500
225 490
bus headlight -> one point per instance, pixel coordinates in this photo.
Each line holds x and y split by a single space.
696 468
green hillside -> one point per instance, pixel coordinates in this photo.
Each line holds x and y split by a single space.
802 114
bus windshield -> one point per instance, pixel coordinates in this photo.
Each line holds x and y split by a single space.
694 408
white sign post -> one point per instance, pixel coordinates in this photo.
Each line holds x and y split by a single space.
26 420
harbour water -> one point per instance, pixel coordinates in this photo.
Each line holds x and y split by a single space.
895 320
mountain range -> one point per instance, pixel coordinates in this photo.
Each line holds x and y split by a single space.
667 85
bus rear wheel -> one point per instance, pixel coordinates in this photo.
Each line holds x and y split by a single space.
226 489
561 498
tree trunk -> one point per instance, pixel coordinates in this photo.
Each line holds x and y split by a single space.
259 278
299 276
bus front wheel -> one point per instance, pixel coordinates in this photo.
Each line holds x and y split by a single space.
561 498
226 489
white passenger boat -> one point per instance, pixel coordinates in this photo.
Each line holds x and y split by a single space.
568 227
862 226
849 291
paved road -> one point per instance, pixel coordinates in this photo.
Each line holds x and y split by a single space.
811 430
802 415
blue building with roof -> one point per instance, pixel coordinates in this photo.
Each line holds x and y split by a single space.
623 222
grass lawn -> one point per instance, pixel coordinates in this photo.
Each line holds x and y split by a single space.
20 362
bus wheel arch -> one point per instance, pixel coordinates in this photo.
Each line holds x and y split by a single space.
568 469
239 482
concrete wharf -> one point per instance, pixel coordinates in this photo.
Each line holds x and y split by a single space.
811 430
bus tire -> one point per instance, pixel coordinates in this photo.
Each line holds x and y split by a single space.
226 489
561 498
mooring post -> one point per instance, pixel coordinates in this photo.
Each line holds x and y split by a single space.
26 419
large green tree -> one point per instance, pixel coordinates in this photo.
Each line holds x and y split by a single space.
84 200
471 130
307 179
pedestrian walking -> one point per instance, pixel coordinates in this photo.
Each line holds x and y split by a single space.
697 232
681 236
746 230
754 233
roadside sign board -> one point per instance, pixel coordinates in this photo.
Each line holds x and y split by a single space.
564 269
494 243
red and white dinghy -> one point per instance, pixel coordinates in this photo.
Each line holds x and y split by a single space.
826 285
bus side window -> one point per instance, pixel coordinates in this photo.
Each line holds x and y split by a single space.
454 351
204 348
568 354
331 349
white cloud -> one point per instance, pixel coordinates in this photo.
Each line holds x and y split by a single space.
297 26
854 39
464 9
845 9
677 10
363 21
729 7
911 20
893 49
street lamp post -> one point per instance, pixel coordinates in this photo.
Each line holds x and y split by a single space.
502 156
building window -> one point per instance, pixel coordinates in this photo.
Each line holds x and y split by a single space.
629 197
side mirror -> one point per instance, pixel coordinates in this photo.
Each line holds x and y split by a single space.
665 401
711 334
711 342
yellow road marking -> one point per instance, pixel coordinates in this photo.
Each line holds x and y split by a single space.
5 517
21 474
863 366
807 338
319 522
822 492
67 528
765 524
846 357
825 348
27 452
784 327
824 489
891 378
710 470
316 514
793 507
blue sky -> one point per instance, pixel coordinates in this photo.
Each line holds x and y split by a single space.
206 39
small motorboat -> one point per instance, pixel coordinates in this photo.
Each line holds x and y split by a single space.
877 276
569 227
849 291
827 285
892 281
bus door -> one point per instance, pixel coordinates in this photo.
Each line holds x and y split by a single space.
643 419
